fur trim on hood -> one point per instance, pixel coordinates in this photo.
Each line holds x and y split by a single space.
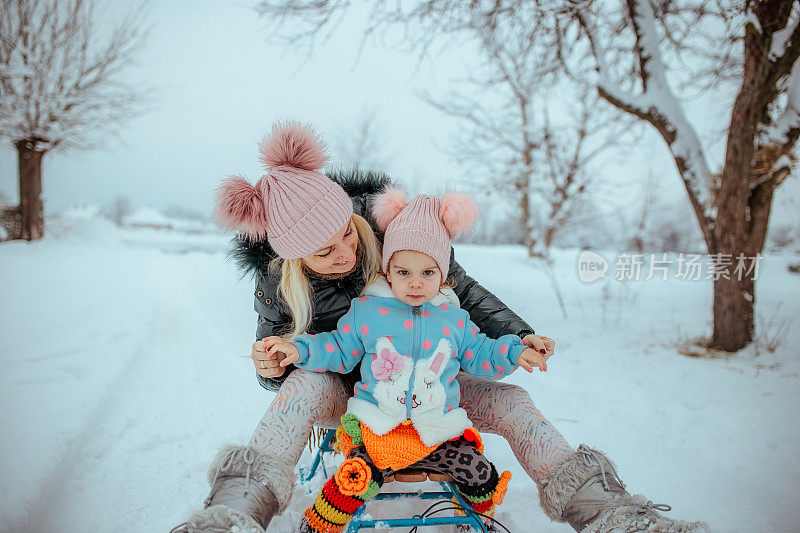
380 287
254 257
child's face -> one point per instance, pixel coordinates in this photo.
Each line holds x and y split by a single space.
415 277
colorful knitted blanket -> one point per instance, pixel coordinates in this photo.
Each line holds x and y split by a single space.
399 448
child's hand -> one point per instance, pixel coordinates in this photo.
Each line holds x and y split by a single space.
544 345
265 365
530 358
278 347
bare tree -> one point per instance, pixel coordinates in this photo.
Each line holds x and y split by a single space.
653 223
119 209
500 137
6 217
184 213
566 162
61 86
508 136
732 206
363 147
638 47
638 225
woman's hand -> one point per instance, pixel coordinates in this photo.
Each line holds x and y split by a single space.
266 366
544 345
278 348
530 358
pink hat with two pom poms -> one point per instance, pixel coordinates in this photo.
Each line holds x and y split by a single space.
425 224
296 207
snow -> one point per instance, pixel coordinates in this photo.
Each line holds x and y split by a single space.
777 133
751 18
781 38
147 216
125 368
81 212
781 162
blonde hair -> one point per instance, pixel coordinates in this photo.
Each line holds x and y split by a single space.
295 289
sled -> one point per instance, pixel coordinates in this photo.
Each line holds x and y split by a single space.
448 496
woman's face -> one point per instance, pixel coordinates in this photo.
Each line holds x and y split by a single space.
336 256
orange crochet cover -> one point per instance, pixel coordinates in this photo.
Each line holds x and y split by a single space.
399 448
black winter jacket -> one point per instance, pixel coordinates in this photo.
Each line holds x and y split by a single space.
331 298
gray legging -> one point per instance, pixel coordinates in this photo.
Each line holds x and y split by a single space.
307 399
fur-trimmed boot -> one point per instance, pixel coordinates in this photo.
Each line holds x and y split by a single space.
247 489
586 492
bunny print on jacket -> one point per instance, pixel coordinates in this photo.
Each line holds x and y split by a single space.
409 357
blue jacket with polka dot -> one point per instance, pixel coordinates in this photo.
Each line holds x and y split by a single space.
409 357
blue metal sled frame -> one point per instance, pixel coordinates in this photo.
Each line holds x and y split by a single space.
448 493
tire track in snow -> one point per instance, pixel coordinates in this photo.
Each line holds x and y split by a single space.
114 416
38 512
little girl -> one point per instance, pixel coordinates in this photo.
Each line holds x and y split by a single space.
411 339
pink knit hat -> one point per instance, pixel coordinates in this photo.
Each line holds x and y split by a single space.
426 224
296 207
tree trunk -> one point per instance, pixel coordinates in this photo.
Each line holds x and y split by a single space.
30 189
549 235
525 214
734 324
742 214
734 299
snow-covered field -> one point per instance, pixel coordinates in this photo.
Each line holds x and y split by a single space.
124 367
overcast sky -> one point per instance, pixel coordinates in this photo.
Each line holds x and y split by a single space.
221 86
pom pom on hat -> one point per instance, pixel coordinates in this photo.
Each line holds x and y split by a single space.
293 144
238 205
294 206
459 213
387 205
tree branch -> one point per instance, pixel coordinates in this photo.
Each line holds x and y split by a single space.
658 106
605 87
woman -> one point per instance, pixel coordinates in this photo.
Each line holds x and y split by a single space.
305 238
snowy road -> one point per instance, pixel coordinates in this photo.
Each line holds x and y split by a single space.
123 371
